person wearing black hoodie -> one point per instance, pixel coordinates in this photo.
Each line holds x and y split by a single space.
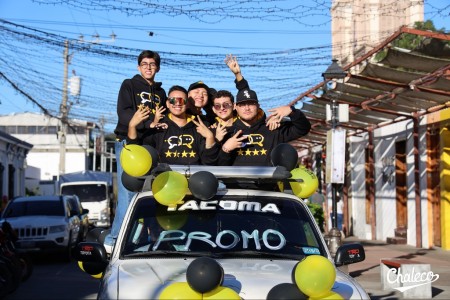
140 91
250 141
185 141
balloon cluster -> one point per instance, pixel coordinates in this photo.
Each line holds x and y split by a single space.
313 278
169 187
204 278
137 161
308 184
286 155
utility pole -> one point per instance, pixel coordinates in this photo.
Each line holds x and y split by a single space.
64 112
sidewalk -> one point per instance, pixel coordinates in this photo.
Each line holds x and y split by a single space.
367 273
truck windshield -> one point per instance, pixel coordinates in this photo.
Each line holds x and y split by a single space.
226 225
86 192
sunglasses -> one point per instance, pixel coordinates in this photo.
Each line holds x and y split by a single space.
224 105
177 100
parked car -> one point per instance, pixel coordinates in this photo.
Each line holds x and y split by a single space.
83 214
44 223
258 237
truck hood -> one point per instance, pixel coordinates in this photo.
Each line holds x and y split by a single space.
146 278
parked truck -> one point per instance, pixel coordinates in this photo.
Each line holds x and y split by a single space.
96 193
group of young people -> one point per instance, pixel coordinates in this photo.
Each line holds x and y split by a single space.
199 125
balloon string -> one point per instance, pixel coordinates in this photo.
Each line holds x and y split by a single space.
125 147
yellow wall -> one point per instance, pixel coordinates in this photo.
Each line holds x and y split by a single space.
445 188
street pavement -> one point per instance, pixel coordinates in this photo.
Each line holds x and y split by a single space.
367 273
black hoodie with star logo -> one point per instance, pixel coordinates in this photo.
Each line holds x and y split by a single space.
134 93
179 145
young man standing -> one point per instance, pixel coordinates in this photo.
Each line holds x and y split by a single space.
253 135
140 91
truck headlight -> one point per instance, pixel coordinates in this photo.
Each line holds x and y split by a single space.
104 214
58 228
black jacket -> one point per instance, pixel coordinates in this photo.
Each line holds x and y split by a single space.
180 145
133 93
261 140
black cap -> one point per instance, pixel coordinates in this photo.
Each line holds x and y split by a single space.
198 84
246 95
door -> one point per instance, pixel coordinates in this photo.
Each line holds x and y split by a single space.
401 185
433 184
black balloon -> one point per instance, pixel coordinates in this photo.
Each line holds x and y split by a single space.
204 274
284 155
131 183
285 291
155 156
94 268
203 185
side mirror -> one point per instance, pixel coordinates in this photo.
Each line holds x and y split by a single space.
349 254
85 211
91 257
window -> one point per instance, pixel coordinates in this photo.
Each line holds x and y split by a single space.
230 224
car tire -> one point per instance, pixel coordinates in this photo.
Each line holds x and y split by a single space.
67 252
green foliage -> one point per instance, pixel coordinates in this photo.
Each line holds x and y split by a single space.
410 41
317 212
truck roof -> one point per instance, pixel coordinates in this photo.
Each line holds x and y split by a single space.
87 176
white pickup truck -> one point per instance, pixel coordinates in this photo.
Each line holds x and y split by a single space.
257 237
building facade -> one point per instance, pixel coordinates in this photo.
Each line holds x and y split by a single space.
43 132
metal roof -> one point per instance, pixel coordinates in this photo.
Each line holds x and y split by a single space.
402 84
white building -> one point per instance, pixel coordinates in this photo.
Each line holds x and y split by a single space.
43 133
13 153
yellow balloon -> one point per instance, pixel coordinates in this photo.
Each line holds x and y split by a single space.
330 296
220 293
80 265
315 276
179 291
135 160
98 276
308 186
169 188
170 220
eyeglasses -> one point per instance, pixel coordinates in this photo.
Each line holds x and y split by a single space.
224 105
177 100
149 66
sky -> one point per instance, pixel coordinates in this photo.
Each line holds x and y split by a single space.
282 47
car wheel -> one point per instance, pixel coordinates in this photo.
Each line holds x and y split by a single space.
67 252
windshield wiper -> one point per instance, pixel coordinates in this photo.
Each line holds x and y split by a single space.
169 253
251 253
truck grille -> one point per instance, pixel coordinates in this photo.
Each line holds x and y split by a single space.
32 232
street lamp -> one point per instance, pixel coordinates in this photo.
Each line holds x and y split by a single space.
335 148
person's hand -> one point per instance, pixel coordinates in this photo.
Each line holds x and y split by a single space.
159 114
279 113
221 131
139 116
236 141
273 123
204 131
232 63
